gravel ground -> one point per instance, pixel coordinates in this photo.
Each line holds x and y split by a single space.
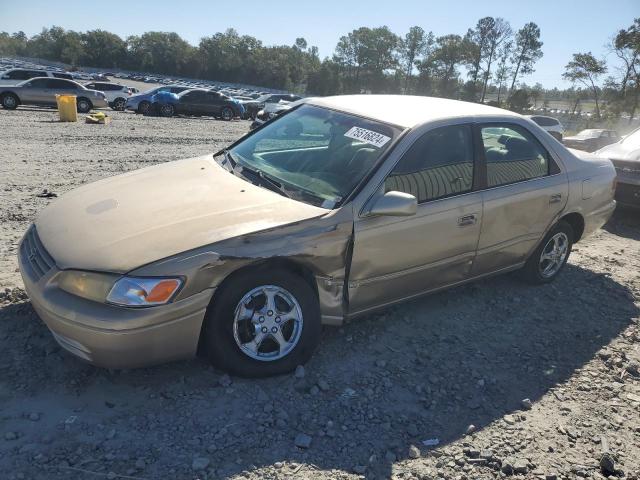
507 379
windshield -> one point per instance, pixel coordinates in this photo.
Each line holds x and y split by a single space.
318 155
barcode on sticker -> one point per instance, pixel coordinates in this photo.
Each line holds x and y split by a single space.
367 136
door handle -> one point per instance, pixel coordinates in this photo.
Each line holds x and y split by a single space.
467 220
556 198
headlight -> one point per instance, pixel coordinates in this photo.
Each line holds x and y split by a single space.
90 285
143 292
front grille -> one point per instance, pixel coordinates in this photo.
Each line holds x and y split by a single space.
34 254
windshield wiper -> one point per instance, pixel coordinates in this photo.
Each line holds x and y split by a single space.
259 175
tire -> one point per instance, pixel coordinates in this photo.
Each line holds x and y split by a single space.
167 110
227 113
143 107
556 246
230 341
84 105
10 101
118 104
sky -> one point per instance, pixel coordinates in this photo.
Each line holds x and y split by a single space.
567 26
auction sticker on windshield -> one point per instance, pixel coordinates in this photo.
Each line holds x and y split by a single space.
368 136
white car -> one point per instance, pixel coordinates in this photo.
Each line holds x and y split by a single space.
14 76
117 95
550 124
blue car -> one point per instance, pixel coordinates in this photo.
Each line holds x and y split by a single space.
199 102
141 102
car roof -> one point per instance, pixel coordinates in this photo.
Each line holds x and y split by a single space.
406 110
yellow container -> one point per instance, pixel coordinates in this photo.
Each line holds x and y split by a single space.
67 108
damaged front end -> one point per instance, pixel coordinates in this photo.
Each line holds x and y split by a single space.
317 249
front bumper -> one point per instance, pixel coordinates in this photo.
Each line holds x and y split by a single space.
99 103
107 335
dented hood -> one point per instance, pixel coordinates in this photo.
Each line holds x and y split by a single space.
123 222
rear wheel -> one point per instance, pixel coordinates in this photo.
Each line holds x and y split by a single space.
119 103
226 113
262 323
143 107
83 105
548 260
10 101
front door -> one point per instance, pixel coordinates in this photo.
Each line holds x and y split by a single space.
526 190
400 257
212 104
34 92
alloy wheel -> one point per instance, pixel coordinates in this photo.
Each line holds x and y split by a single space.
9 101
267 323
227 114
553 255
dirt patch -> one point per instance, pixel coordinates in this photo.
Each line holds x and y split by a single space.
482 381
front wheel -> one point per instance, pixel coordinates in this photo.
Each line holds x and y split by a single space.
10 101
84 105
227 114
143 107
548 260
262 323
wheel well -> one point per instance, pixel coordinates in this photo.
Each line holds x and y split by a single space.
273 263
2 94
576 221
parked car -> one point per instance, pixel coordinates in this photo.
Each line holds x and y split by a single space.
43 90
17 75
550 124
197 102
116 94
269 112
625 156
252 107
141 102
342 206
591 139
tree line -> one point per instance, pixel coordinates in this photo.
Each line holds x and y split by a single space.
491 60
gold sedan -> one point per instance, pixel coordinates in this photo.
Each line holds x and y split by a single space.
340 206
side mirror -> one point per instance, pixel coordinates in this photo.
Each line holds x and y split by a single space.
394 204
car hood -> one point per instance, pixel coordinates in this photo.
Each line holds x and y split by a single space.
123 222
620 151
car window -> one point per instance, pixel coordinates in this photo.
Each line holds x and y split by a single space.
91 86
512 155
546 121
20 75
439 164
58 83
194 96
66 76
38 83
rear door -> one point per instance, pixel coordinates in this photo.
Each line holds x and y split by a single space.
400 257
525 191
